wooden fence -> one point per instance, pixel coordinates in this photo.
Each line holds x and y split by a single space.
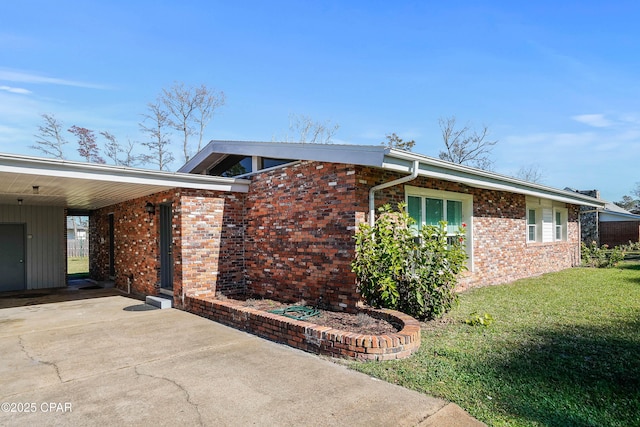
77 248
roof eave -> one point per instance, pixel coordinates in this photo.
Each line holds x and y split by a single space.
69 169
364 155
386 158
620 214
402 161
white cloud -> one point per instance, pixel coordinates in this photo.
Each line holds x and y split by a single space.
595 120
26 77
15 90
578 159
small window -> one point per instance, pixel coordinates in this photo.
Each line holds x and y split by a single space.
560 223
531 225
414 208
454 216
268 162
232 166
434 211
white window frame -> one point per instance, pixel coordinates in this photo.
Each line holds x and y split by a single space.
562 226
467 210
536 226
546 224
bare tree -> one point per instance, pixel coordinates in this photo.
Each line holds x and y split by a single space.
465 145
531 173
130 159
306 130
394 141
87 146
113 150
154 124
189 111
630 203
50 139
208 101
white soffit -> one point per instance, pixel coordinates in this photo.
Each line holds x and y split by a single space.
88 186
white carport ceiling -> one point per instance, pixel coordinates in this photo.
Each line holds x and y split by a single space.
85 186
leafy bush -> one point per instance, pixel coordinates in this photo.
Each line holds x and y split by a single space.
601 256
630 247
404 269
475 319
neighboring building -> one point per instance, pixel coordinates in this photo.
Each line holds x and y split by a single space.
77 236
608 225
77 228
284 228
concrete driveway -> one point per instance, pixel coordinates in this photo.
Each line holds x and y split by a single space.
111 361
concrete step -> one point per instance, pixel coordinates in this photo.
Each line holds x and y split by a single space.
158 301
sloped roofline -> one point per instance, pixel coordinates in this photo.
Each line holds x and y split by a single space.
72 169
384 158
615 210
85 186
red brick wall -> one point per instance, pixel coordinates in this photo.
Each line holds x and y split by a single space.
207 237
500 252
308 336
300 225
136 239
212 227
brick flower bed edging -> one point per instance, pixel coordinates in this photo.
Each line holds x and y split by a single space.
313 338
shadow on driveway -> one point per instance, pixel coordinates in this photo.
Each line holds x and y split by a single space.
77 290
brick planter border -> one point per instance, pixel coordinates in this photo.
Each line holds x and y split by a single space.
313 338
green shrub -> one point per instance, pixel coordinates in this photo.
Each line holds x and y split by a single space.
630 247
404 269
601 256
475 319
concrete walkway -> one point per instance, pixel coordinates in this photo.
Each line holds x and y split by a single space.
111 360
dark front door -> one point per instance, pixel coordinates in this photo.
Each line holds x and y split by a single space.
166 248
12 265
112 249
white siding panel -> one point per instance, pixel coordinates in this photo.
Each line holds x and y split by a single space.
547 225
45 228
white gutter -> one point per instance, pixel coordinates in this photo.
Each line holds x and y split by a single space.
440 169
372 200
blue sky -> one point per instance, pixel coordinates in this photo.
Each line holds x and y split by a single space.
556 82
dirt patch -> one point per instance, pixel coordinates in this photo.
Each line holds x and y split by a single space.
360 323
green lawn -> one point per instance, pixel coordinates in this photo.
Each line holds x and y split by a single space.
564 350
76 265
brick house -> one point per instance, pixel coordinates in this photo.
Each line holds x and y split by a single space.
305 201
608 225
277 219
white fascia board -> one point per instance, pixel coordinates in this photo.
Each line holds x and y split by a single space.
400 161
90 171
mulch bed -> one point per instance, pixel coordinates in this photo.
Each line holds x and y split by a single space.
360 323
